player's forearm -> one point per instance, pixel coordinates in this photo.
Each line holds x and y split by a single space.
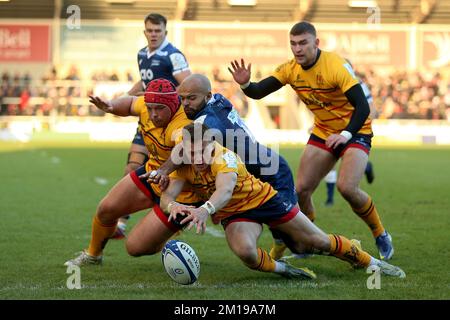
122 106
258 90
169 195
165 200
168 167
225 183
356 97
221 197
174 162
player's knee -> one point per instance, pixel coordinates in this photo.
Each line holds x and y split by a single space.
248 254
136 249
347 190
133 249
105 210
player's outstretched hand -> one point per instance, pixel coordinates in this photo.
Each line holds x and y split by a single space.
179 209
240 73
197 216
102 105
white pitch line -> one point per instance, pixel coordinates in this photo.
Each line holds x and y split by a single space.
101 181
55 160
215 233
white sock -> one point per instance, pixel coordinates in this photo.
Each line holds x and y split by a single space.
374 261
279 267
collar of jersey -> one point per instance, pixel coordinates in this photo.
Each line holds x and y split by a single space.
315 61
202 113
158 50
211 100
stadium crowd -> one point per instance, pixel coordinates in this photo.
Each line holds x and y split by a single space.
414 95
400 95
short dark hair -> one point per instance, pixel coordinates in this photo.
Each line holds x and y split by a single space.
193 129
156 18
303 27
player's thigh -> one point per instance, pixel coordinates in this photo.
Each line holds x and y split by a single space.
301 231
148 236
125 197
315 163
353 165
242 236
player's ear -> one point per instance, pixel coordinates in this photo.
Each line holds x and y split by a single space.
317 42
208 97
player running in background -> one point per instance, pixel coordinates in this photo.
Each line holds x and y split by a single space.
242 203
159 59
160 119
326 83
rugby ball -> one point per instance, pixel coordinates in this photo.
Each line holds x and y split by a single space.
181 262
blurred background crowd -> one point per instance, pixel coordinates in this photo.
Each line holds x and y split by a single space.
399 95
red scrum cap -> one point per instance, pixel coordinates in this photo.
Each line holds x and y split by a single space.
162 91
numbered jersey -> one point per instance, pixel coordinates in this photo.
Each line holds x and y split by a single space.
165 62
231 131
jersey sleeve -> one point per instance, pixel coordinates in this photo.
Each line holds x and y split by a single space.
138 104
225 161
281 73
344 76
179 62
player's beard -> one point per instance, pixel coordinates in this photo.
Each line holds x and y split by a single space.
192 113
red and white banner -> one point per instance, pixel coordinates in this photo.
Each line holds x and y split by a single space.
218 44
435 49
367 47
25 43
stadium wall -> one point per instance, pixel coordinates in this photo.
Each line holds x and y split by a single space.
115 129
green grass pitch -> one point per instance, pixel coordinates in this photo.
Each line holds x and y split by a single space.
49 192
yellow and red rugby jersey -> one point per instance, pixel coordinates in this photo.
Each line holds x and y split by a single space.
160 142
249 192
322 88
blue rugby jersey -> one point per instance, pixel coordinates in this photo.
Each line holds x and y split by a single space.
219 114
164 62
